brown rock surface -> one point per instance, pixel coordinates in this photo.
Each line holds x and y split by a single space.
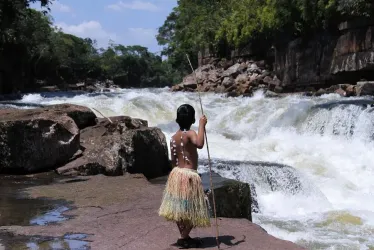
365 88
335 57
125 146
234 80
340 92
82 116
39 139
121 213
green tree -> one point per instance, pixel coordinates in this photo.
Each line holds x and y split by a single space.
194 25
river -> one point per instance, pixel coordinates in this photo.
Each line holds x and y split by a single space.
310 159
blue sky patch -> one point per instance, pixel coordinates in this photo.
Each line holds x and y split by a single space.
129 22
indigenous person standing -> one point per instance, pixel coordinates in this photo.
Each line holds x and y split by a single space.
184 199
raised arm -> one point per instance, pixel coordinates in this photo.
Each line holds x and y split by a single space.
198 139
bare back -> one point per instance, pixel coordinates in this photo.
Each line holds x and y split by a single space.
183 150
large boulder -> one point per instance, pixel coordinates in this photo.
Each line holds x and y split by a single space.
233 198
125 146
228 82
82 116
40 139
365 88
232 71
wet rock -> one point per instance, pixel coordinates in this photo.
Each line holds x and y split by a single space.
245 89
253 68
242 68
233 198
130 123
340 92
241 79
308 94
254 200
350 90
190 83
231 89
206 88
200 76
327 57
91 89
206 67
276 81
228 82
278 89
365 88
268 80
178 87
332 88
321 92
220 89
125 146
232 94
271 94
82 116
213 76
39 139
232 71
216 78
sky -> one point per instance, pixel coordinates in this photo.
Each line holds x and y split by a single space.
128 22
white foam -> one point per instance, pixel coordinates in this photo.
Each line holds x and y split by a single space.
33 98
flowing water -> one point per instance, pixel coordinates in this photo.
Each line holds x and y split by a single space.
310 159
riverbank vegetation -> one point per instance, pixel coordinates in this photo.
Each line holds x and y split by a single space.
33 53
223 25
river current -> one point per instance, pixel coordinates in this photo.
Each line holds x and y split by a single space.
309 159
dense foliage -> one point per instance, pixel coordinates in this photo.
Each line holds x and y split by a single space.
33 52
223 24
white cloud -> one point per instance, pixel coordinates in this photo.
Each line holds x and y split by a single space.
141 36
56 6
91 29
131 36
134 5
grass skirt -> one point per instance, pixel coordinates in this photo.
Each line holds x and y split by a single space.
184 198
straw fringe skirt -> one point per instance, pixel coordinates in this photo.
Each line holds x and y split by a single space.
184 199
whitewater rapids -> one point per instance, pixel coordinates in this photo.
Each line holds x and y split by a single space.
328 148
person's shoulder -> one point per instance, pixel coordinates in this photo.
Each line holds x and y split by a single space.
173 136
191 132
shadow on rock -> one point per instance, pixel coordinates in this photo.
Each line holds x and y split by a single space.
224 240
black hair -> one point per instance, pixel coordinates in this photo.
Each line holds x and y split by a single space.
185 116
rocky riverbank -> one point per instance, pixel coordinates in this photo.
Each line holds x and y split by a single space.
245 77
89 85
72 140
338 62
242 78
